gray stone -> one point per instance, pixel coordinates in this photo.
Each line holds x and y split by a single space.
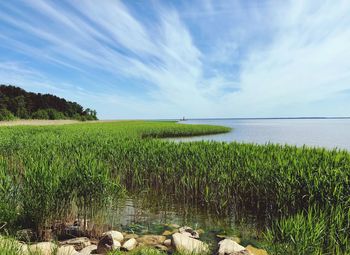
186 244
230 247
189 231
116 235
130 244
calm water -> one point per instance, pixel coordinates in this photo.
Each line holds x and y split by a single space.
329 133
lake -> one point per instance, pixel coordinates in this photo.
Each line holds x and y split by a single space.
328 133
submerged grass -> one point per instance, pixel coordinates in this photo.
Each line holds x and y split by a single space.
303 193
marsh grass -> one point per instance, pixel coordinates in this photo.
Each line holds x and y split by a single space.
9 246
302 194
317 231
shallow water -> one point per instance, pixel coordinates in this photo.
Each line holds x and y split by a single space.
328 133
149 214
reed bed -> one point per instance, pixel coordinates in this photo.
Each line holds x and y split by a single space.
301 193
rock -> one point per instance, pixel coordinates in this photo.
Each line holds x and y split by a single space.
167 243
229 247
78 243
116 245
186 244
185 230
188 234
88 250
161 247
256 251
109 242
116 235
43 248
129 236
67 250
130 244
151 240
233 238
25 235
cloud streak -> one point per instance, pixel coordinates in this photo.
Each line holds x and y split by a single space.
205 59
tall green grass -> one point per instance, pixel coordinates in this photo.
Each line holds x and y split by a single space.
301 193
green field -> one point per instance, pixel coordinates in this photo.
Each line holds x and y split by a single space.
46 173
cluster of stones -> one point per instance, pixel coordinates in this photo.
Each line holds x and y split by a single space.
181 239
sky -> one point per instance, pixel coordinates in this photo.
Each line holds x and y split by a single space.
141 59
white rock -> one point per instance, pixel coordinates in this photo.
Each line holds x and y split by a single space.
109 241
230 247
116 245
116 235
130 244
186 244
189 232
44 248
88 250
67 250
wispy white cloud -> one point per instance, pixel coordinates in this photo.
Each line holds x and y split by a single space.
205 59
307 61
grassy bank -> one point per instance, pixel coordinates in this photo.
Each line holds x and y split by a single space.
49 173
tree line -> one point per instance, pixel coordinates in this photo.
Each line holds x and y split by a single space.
15 103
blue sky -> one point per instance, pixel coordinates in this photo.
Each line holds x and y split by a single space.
168 59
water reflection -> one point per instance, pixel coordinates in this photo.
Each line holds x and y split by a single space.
146 211
151 214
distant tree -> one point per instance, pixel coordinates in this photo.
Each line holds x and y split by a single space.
40 115
55 115
25 105
20 106
89 114
6 115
